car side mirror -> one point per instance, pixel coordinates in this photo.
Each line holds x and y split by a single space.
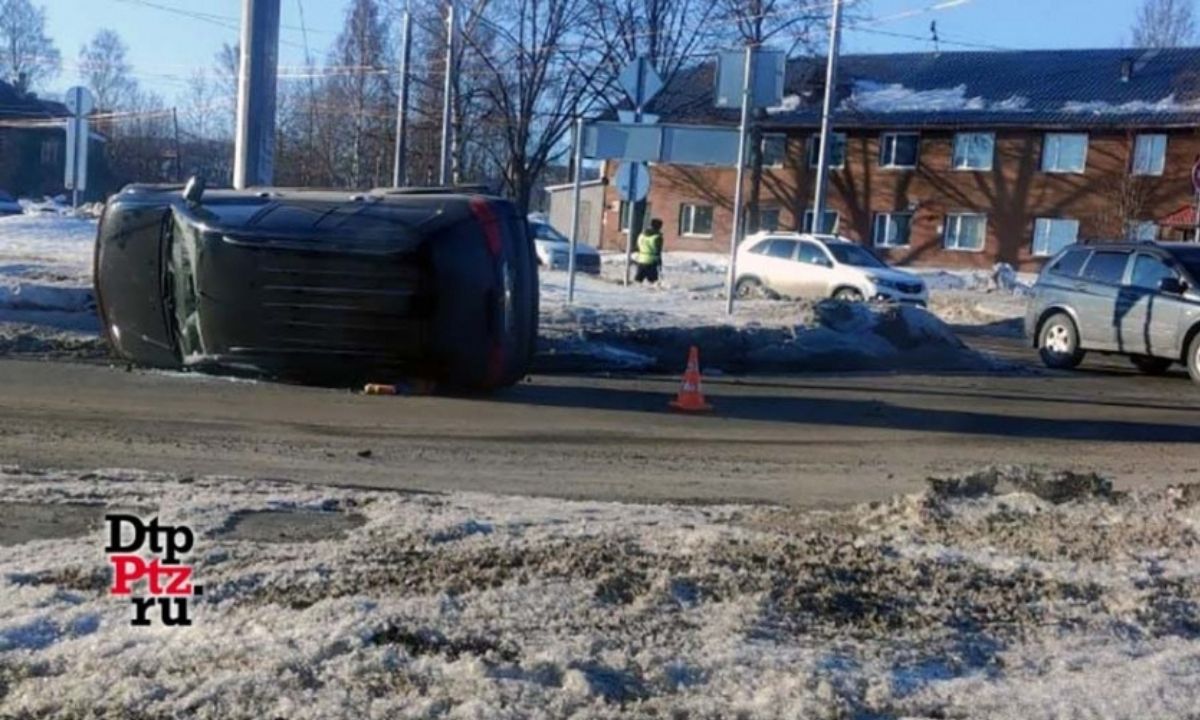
1172 286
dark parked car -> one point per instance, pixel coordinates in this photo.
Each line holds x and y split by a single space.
1129 298
9 205
320 286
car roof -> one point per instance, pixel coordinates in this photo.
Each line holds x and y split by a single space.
793 235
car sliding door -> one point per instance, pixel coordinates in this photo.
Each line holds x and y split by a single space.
1097 292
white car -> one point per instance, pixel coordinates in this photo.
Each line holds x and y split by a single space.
820 266
554 249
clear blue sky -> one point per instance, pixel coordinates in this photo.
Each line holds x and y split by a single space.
165 46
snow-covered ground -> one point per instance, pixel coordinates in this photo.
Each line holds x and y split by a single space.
1006 594
46 301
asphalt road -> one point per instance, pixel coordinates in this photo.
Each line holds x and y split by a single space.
805 441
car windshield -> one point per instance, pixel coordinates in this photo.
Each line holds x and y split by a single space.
542 231
849 254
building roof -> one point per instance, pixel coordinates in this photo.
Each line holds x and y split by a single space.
1118 88
27 106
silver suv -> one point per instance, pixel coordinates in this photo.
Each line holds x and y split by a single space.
1136 299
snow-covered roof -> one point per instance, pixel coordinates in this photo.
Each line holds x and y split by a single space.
1119 87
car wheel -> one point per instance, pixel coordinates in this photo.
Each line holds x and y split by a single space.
1058 343
1151 365
751 288
1193 358
848 295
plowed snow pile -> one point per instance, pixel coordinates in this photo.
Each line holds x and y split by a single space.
46 302
1006 594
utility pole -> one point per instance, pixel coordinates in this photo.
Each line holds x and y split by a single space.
447 92
400 166
254 144
835 39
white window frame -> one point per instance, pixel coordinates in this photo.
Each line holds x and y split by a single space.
1054 151
690 210
955 220
780 137
1136 230
770 209
954 155
806 221
1043 228
889 240
1158 163
814 150
625 218
891 164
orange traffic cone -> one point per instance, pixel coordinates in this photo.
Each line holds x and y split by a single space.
691 396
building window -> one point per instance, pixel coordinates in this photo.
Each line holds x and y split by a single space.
965 232
774 150
899 150
695 220
1142 230
892 229
51 152
837 150
974 151
1064 152
1050 235
624 217
768 219
828 227
1149 154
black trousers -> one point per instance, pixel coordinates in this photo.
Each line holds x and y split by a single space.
647 273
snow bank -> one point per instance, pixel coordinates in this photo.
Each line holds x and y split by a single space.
1032 596
611 327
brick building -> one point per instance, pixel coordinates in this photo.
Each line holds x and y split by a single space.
956 159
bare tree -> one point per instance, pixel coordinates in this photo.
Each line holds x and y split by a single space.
1165 23
27 56
105 71
536 81
360 87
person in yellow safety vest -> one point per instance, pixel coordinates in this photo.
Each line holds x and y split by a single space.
649 254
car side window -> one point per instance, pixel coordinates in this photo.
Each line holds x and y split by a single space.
812 255
761 248
1149 272
784 249
1070 263
1106 267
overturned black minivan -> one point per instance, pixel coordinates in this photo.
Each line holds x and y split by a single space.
320 286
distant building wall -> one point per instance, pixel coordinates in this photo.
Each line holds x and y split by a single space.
1013 195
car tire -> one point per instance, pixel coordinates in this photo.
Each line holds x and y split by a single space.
1151 365
848 295
751 288
1058 343
1193 358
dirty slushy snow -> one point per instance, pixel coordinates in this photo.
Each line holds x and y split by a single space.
1006 594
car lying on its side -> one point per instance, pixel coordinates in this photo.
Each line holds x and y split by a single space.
554 248
320 286
1138 299
9 205
820 266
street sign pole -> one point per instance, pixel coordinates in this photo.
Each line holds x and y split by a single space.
736 234
631 203
1196 190
79 104
575 197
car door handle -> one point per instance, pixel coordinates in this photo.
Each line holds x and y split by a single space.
1080 286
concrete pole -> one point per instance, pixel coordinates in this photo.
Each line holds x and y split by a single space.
400 164
735 238
576 190
254 144
835 38
447 94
